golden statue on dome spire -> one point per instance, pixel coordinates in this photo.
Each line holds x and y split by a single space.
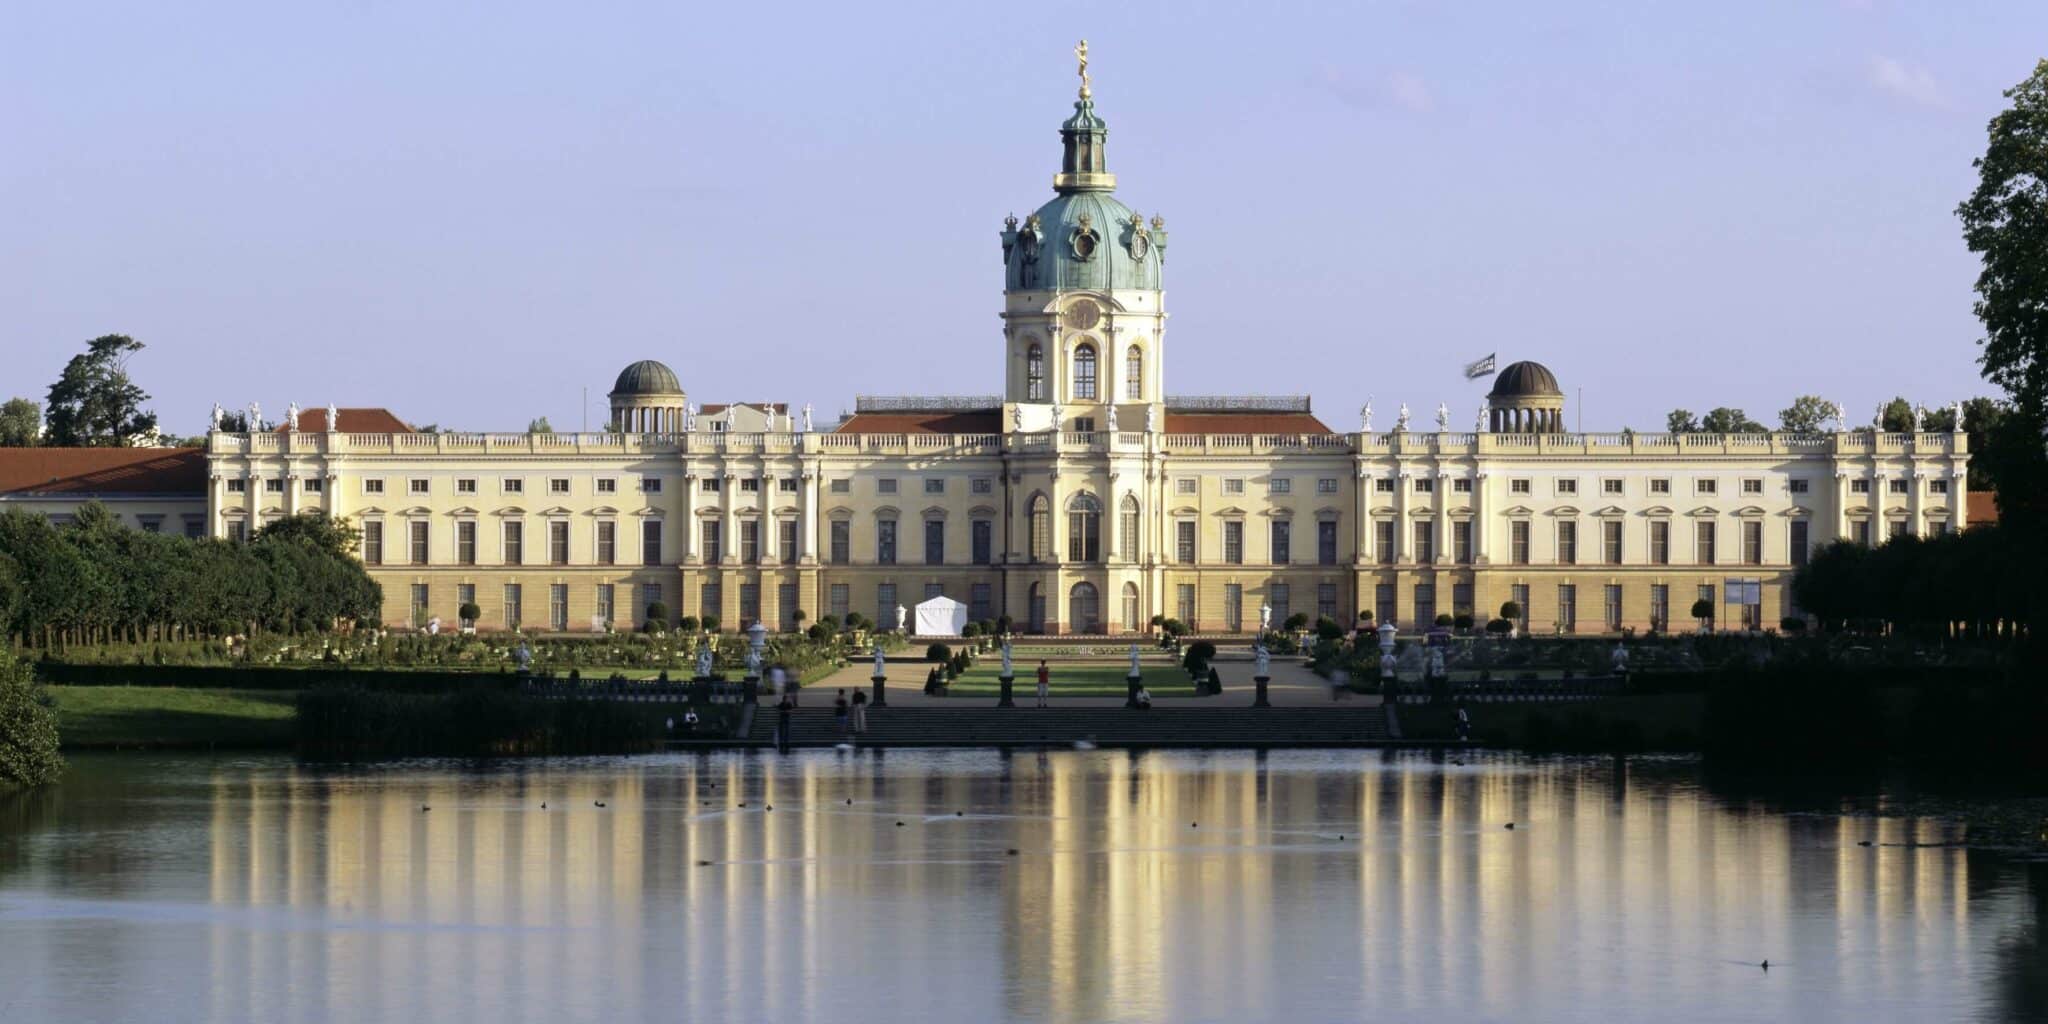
1081 54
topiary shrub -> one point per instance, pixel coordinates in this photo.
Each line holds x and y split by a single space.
1198 656
28 727
818 632
938 653
1500 627
1792 624
1444 619
970 631
1462 622
470 612
1174 628
710 623
1327 629
657 616
1510 610
1004 624
687 624
1295 622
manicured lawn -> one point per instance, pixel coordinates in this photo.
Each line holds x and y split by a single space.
141 716
1068 680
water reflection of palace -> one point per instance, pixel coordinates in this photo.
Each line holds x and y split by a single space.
1154 885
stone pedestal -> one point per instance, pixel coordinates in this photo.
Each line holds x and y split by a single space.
1259 694
1007 700
881 693
1131 691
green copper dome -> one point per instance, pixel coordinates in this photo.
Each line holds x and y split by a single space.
647 377
1084 238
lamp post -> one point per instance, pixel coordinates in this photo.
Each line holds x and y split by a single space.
1387 681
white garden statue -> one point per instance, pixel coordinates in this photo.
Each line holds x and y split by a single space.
878 659
217 414
753 662
1007 672
1365 416
704 660
1443 418
333 418
1262 660
1401 421
1265 616
291 417
255 417
1112 419
1134 660
807 417
902 614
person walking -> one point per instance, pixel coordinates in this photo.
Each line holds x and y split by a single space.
1044 683
860 712
839 710
783 712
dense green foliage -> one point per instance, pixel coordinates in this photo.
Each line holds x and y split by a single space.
21 423
94 403
478 721
93 579
28 728
1978 583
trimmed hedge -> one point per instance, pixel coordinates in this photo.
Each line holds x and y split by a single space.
269 677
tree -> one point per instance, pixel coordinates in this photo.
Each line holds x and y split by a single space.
539 426
94 403
1897 417
234 422
28 727
1724 420
2005 221
21 423
1808 414
1681 421
1510 610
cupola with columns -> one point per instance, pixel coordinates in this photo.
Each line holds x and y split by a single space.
1525 400
647 399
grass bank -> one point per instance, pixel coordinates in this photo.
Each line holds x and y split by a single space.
90 717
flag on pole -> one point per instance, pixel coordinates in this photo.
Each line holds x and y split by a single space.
1480 368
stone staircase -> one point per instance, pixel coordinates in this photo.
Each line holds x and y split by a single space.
1116 727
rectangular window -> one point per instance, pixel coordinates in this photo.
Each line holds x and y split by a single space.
786 540
650 542
1706 486
842 486
1425 485
607 543
885 605
981 541
1425 541
274 485
558 485
1610 486
1751 485
373 486
1461 485
465 594
514 547
787 485
1233 485
1084 536
1567 542
1894 529
1127 531
750 485
1184 541
785 606
981 485
558 542
1895 486
1184 603
1233 542
1326 602
315 485
1567 487
514 485
842 542
1519 594
603 610
1461 541
651 594
1425 605
1660 487
238 532
416 485
558 606
710 540
373 542
465 542
607 485
711 600
1859 531
1326 542
1461 599
1610 541
1796 486
1383 485
1752 542
1518 487
1280 597
1660 542
1383 541
981 602
421 605
750 604
1797 542
1386 603
1518 542
1612 595
1567 608
935 485
1859 487
1279 485
1326 485
1937 487
839 601
1703 543
1184 485
885 542
196 528
515 611
934 542
1660 607
1283 542
417 531
1233 607
1706 594
886 485
750 541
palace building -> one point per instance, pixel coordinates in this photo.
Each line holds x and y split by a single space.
1084 498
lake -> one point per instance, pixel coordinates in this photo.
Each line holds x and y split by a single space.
1165 886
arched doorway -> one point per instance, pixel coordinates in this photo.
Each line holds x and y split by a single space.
1035 609
1131 612
1084 609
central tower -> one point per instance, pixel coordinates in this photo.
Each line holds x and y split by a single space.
1084 313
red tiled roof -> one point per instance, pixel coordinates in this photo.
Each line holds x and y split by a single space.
1982 509
981 421
85 471
353 421
1244 423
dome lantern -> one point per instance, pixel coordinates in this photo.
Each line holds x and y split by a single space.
648 399
1525 399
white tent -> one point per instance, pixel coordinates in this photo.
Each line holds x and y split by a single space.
940 616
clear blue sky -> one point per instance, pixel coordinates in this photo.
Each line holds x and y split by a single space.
467 212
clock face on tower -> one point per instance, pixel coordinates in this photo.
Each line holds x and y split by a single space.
1083 315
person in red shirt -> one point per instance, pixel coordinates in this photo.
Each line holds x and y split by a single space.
1044 683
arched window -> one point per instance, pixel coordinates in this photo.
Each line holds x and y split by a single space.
1127 528
1084 529
1041 528
1084 372
1131 608
1034 373
1084 609
1134 374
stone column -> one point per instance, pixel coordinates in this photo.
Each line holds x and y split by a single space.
1479 521
807 526
770 526
728 529
1361 530
689 520
1443 520
1841 504
1402 542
